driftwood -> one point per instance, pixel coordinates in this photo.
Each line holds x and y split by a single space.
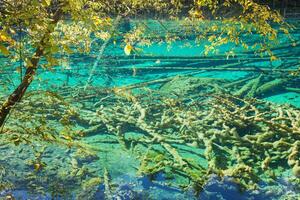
249 89
297 90
251 69
146 58
270 86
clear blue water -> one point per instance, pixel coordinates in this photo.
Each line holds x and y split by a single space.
158 61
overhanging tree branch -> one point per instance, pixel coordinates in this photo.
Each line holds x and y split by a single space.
19 92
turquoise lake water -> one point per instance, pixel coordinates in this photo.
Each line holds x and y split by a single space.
109 166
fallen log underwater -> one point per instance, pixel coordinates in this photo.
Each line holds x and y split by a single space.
135 71
253 69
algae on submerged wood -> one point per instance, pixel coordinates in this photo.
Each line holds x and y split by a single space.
187 137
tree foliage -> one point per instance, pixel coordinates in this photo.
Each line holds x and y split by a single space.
228 20
51 27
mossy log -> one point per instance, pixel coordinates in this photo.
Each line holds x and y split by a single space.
271 86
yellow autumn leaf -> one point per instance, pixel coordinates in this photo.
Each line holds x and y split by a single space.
4 50
3 37
214 28
97 21
46 2
28 63
66 137
37 166
127 49
211 38
273 58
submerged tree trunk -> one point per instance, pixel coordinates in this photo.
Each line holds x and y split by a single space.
19 92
